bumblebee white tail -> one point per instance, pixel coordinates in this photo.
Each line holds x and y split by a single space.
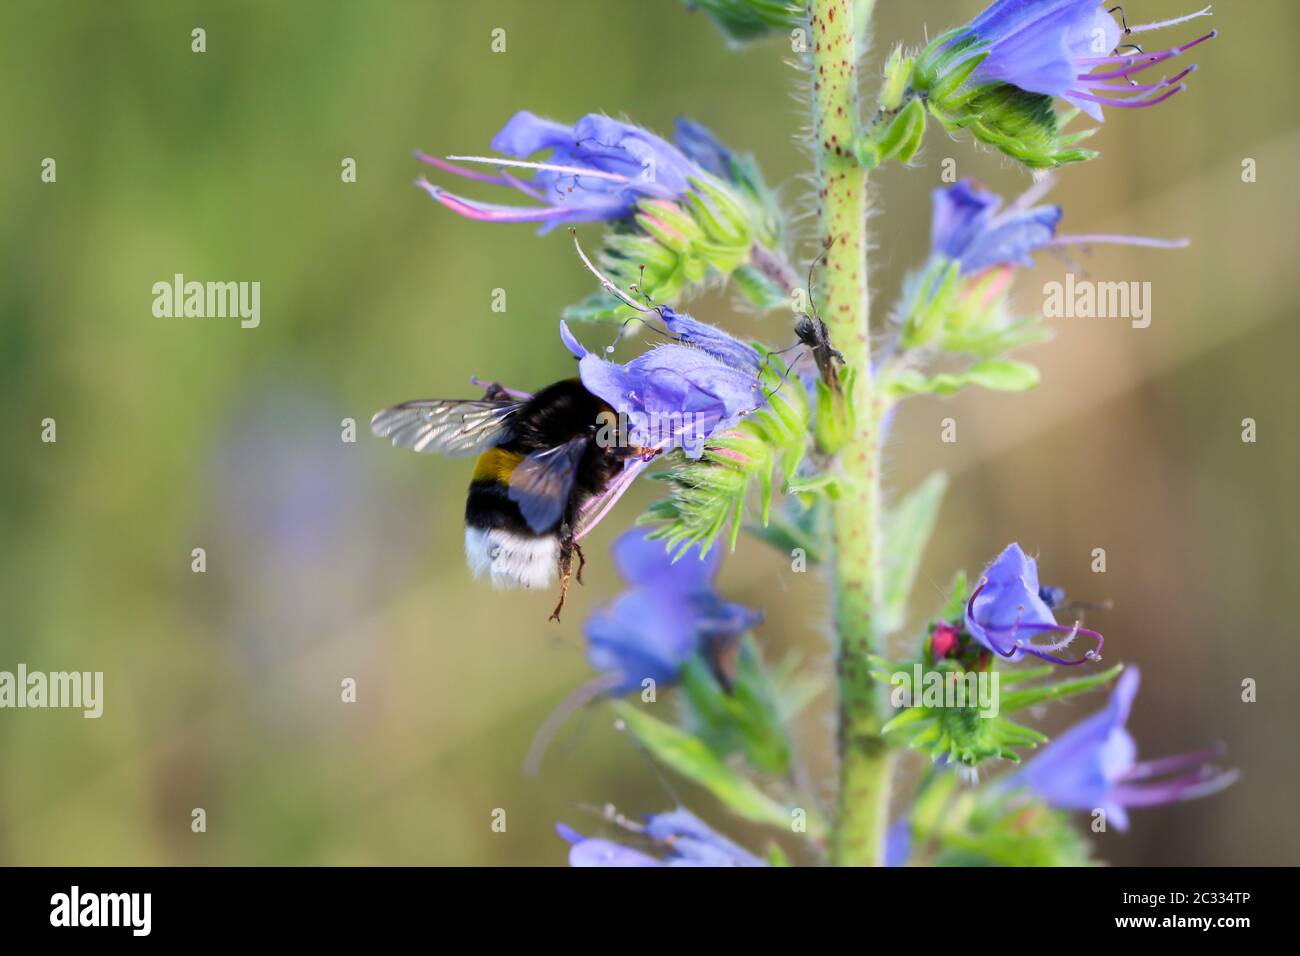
511 560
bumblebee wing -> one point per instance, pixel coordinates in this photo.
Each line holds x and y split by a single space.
597 507
446 427
542 483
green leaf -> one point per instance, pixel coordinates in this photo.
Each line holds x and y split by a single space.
1020 699
907 528
692 758
744 20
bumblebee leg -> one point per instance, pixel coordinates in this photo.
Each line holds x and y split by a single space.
566 572
582 560
564 590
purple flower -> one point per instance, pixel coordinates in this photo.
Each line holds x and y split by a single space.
1094 765
700 145
1050 47
710 339
898 843
677 395
1005 613
598 169
686 839
967 227
668 614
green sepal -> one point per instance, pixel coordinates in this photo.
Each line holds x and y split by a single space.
835 419
668 246
931 297
1020 699
1022 124
709 495
900 137
745 719
898 77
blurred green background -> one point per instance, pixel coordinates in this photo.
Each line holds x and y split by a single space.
329 560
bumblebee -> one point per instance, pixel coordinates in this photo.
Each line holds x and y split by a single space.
540 470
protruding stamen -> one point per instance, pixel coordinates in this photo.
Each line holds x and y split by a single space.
1145 27
1042 651
596 509
1126 104
1132 87
1115 239
1147 58
545 167
1167 765
606 282
1189 787
504 179
489 212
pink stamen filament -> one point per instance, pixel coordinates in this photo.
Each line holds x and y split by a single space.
1141 87
1167 765
616 491
1040 651
1200 783
505 179
1127 104
1155 57
457 170
487 212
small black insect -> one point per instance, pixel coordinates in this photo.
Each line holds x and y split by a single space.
812 332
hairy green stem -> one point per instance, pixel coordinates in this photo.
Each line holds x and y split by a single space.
863 802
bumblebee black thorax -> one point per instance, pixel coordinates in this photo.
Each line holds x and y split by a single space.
552 417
